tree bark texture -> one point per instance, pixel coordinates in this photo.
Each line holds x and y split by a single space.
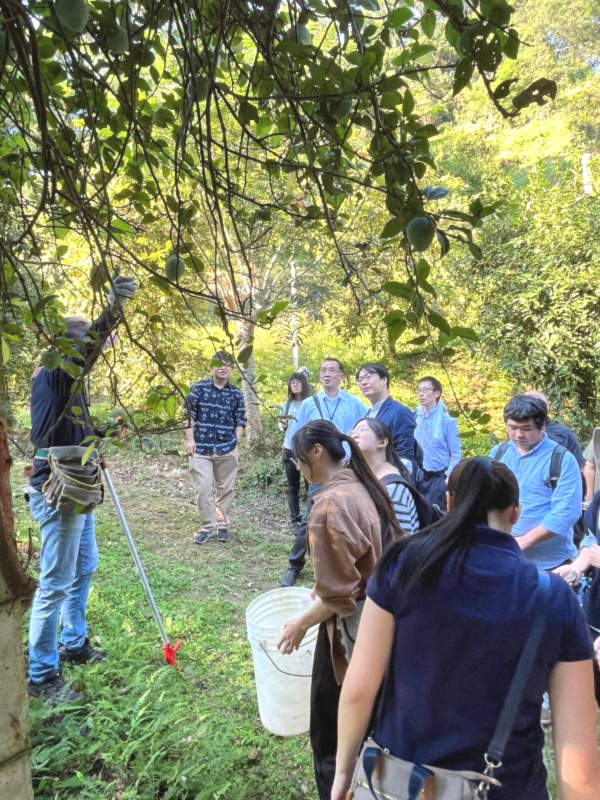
16 590
254 430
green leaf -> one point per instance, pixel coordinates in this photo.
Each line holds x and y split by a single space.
77 411
503 89
418 340
439 322
397 289
5 352
171 407
391 228
88 452
244 354
510 48
399 17
428 24
462 75
465 333
408 103
538 92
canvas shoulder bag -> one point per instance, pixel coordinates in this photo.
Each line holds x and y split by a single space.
73 487
382 776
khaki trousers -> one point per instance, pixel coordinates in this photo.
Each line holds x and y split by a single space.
213 478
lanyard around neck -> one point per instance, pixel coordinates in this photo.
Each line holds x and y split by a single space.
329 414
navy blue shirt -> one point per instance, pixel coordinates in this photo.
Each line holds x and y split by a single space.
455 651
591 602
215 413
53 424
402 424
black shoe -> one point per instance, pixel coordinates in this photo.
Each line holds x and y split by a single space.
202 537
86 654
223 535
289 577
54 691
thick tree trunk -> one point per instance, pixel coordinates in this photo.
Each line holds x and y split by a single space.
16 590
254 430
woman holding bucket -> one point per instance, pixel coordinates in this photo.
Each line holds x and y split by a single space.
352 519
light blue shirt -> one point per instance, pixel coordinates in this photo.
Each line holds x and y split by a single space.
374 410
557 510
292 412
344 410
437 433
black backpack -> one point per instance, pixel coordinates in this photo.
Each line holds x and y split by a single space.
426 512
556 460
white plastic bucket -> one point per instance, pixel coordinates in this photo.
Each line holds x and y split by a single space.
282 681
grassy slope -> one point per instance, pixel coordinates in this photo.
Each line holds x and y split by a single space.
147 730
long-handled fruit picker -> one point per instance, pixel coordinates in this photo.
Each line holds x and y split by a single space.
169 649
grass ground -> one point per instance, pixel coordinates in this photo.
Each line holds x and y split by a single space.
146 730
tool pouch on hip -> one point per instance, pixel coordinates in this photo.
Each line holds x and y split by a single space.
73 487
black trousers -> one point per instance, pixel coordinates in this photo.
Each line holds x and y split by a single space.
434 489
324 703
297 555
293 477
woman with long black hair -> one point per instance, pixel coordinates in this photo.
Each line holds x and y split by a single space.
376 443
351 521
298 390
450 609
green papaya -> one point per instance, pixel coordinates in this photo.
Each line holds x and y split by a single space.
73 14
118 40
420 232
174 267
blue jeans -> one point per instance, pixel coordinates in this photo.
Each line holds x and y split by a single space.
68 559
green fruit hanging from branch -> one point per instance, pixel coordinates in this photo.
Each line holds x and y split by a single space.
73 14
420 232
174 267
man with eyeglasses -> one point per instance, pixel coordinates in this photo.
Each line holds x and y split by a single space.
437 433
341 409
374 382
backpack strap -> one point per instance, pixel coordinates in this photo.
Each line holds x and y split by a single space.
508 715
287 408
315 397
556 460
501 451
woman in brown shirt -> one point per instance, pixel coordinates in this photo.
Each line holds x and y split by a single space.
351 521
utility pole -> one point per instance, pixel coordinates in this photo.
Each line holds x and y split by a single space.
293 294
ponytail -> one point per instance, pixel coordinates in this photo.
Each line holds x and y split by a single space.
484 485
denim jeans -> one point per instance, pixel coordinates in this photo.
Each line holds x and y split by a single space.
68 559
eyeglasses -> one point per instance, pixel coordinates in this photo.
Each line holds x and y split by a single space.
424 390
368 376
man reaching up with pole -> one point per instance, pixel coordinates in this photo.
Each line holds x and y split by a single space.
68 555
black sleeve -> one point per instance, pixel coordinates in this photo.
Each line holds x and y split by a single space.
590 517
575 448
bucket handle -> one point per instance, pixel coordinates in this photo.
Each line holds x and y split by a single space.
283 672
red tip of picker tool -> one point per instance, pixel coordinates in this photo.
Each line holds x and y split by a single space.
170 651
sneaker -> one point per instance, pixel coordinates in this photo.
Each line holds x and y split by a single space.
289 577
223 535
203 536
54 691
86 654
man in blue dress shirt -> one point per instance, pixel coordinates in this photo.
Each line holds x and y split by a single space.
437 433
545 528
341 409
